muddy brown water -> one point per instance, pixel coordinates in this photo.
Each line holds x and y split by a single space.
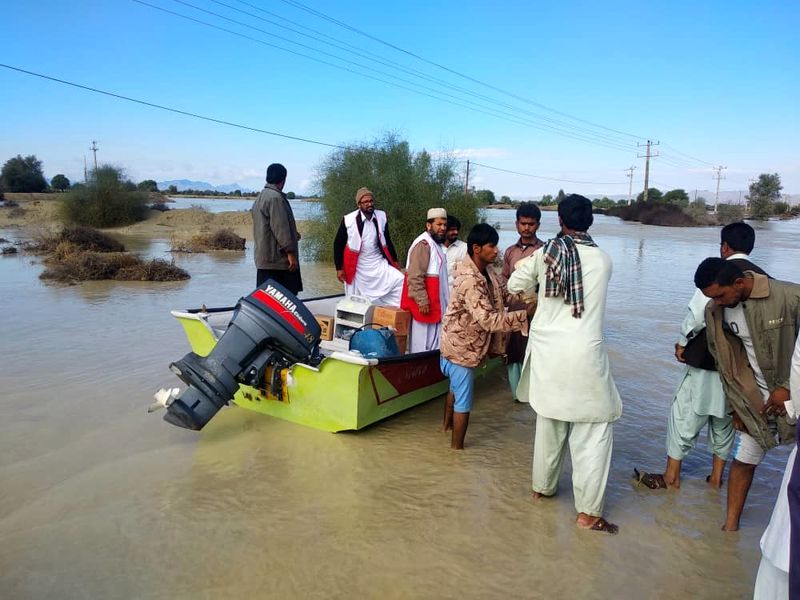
99 499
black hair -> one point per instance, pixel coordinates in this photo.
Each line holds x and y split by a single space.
576 212
276 173
716 270
453 222
529 210
739 237
481 234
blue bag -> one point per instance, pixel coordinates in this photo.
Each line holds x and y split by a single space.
374 343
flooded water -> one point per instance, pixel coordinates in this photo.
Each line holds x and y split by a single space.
99 499
303 209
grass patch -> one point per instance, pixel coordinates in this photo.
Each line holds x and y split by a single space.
80 253
222 239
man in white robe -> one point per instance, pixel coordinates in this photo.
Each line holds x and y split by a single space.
425 290
566 375
365 258
454 248
772 581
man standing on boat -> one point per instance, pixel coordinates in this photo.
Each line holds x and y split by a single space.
365 258
476 310
275 234
454 248
566 375
528 217
751 326
425 290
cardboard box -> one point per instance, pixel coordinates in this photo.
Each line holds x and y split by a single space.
391 316
326 323
402 342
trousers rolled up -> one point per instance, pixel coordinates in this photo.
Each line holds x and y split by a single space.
590 446
684 427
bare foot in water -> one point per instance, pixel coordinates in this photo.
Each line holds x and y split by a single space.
591 523
714 483
540 496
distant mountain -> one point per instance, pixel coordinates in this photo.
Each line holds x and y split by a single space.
202 186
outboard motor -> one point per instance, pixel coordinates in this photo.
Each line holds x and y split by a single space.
269 328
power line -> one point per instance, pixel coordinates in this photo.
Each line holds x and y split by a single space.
477 164
173 110
341 45
449 70
435 94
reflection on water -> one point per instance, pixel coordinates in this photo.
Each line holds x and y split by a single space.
98 499
303 210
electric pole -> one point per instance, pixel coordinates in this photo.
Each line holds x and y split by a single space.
466 181
94 149
629 170
647 156
85 172
718 176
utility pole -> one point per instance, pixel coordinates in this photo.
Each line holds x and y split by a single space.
718 176
85 172
94 149
466 181
647 156
629 170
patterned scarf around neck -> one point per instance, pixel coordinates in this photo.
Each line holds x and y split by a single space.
564 276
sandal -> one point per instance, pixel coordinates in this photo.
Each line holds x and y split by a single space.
652 481
602 525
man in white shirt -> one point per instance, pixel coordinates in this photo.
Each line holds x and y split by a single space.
454 248
566 376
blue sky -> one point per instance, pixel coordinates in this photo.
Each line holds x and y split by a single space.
715 82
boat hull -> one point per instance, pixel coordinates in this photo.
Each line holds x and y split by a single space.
345 392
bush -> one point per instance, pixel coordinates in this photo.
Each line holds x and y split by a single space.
106 201
69 264
405 184
223 239
780 208
79 237
160 205
729 213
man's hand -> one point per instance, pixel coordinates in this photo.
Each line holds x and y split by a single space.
340 275
424 309
774 405
293 264
738 424
679 353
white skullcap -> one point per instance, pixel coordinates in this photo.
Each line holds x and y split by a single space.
437 213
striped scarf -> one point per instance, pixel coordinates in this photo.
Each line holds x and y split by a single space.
564 276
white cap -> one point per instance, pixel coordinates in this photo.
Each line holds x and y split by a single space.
437 213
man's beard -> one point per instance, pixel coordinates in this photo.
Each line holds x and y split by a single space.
438 237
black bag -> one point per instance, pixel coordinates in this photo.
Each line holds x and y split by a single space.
696 353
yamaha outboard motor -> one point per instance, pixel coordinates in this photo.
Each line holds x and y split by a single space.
269 328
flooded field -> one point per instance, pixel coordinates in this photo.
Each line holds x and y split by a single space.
99 499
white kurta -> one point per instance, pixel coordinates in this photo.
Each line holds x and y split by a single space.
455 253
566 374
376 280
426 336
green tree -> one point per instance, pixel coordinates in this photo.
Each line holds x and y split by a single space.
23 175
678 197
107 200
291 195
505 200
59 182
560 196
485 197
763 195
653 195
547 200
780 208
148 185
173 189
604 202
405 183
237 193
